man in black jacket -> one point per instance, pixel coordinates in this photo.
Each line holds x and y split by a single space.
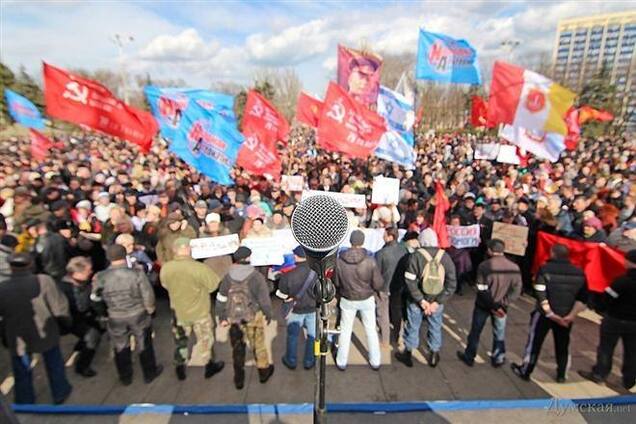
357 279
76 285
561 292
31 306
387 258
243 303
424 302
51 253
498 285
619 322
296 289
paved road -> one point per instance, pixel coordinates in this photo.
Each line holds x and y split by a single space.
451 380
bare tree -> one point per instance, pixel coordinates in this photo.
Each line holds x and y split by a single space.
286 85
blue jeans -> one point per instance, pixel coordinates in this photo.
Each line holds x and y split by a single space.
295 324
414 317
60 387
480 316
348 311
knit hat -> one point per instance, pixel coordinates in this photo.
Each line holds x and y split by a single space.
20 260
356 238
428 238
593 222
115 252
173 217
212 217
201 204
410 235
300 252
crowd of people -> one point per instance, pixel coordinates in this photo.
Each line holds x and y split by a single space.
90 235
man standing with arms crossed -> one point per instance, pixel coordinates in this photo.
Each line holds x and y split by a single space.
190 284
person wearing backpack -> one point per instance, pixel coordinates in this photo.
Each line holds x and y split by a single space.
243 304
190 284
296 289
498 285
357 279
431 281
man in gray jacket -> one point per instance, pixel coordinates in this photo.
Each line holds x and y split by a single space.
32 308
431 281
357 280
130 302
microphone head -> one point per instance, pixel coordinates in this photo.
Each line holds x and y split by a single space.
319 224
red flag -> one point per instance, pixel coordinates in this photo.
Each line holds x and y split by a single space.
478 112
574 130
601 263
359 74
308 110
418 117
348 126
40 145
258 157
588 113
85 102
262 117
442 205
523 157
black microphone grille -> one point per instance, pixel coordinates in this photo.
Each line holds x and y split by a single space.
319 223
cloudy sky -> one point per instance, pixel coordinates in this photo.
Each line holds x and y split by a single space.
207 41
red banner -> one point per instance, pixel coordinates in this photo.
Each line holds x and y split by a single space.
359 74
588 113
85 102
601 263
348 126
442 205
308 110
261 117
574 129
40 145
258 157
478 112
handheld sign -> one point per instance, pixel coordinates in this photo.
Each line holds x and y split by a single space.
208 247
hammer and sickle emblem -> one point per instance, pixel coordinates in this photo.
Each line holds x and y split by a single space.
75 91
337 112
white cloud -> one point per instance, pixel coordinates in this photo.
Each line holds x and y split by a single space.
187 45
291 46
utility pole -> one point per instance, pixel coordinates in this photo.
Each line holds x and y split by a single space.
120 41
509 47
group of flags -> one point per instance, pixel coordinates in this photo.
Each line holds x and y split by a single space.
357 118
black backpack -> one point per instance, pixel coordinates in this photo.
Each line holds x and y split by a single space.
240 306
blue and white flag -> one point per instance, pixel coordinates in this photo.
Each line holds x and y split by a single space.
169 105
23 111
445 59
207 141
396 144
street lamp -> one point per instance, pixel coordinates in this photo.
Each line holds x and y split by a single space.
509 46
120 41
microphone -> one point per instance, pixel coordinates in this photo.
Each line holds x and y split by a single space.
320 224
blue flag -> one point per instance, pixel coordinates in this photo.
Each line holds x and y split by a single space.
169 105
207 141
23 111
396 144
444 59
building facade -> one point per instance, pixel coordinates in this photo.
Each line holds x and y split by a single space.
585 46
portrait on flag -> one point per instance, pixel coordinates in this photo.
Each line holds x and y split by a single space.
207 142
359 74
444 59
82 101
22 110
168 105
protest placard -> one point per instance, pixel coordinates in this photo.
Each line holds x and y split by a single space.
386 191
208 247
292 183
514 236
347 200
464 236
486 151
508 154
271 250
